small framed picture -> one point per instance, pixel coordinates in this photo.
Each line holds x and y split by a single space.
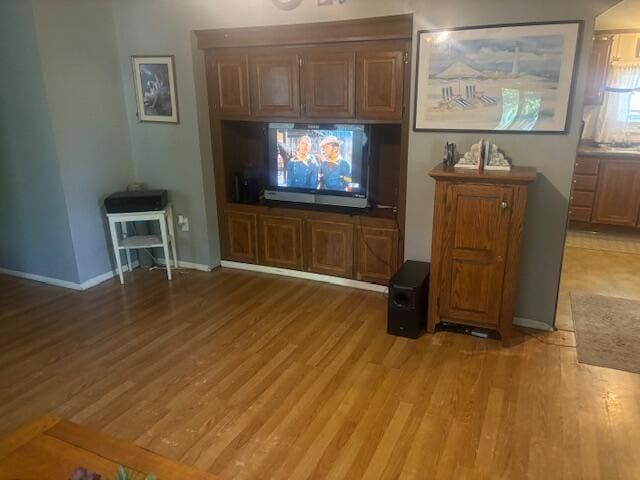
155 85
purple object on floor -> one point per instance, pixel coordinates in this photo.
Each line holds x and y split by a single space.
81 473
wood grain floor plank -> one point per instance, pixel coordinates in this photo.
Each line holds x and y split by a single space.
255 376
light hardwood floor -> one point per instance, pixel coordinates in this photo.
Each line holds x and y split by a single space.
256 376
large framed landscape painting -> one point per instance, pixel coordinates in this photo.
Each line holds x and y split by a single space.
155 85
496 78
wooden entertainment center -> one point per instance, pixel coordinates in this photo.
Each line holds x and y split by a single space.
347 72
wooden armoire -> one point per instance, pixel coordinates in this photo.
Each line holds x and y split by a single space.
477 229
344 72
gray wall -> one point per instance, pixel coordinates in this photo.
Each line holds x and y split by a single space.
177 157
83 84
35 236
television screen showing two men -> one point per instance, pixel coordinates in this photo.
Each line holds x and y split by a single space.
317 159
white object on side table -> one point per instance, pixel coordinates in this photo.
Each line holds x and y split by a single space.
125 242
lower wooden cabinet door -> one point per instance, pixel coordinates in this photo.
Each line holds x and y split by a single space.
474 251
617 200
377 254
281 242
242 241
330 247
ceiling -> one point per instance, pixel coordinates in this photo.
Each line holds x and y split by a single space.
624 15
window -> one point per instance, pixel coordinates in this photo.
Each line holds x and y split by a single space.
633 117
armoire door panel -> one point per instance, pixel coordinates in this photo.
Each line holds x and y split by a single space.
275 85
329 83
475 247
231 84
377 253
281 242
476 222
380 84
470 288
330 247
242 240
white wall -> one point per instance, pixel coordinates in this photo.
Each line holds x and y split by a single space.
179 157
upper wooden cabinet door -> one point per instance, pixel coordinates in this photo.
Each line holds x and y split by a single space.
275 85
231 84
242 240
598 68
377 254
281 242
617 199
328 82
380 83
330 247
474 251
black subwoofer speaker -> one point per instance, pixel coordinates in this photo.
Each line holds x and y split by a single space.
408 294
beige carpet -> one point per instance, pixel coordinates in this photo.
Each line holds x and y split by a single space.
607 331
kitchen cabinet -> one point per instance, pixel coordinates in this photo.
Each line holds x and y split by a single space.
617 199
605 191
598 68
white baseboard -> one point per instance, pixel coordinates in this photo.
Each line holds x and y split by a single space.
344 282
87 284
535 324
40 278
190 265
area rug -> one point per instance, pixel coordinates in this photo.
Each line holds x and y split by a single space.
607 331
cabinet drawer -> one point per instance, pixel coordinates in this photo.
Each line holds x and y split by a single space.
580 214
584 182
586 165
581 199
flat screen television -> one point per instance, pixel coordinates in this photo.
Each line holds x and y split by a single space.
318 163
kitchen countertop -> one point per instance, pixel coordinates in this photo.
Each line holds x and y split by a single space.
590 150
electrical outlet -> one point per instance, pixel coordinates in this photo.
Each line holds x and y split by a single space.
183 223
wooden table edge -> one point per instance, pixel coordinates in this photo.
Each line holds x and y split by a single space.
116 450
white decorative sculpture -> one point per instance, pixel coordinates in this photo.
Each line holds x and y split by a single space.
484 155
471 159
496 159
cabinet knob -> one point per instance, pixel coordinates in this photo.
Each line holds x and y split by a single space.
504 205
